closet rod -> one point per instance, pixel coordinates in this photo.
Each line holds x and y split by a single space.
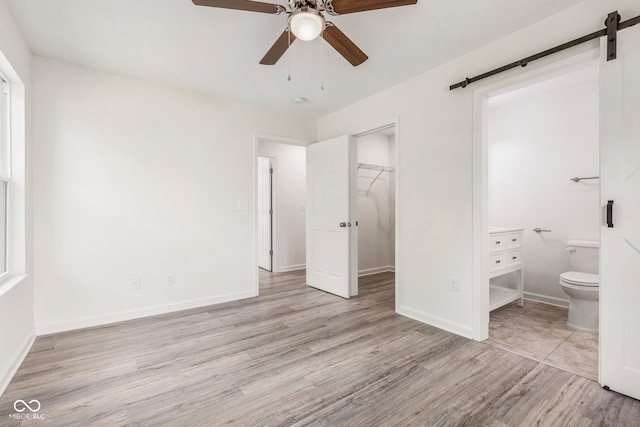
610 22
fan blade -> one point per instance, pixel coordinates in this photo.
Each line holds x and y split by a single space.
251 6
278 49
343 45
341 7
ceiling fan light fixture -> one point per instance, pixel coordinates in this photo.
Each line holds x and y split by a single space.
306 23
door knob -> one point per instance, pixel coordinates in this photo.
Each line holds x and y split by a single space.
343 224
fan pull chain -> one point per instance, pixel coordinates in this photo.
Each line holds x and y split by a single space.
289 55
322 60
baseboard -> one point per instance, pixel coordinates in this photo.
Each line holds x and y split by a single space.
17 359
88 322
288 268
454 328
547 299
376 270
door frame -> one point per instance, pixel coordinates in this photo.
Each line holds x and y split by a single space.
366 130
480 245
272 219
257 138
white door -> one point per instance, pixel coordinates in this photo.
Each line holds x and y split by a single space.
620 245
331 261
265 212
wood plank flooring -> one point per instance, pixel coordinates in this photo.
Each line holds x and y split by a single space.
295 356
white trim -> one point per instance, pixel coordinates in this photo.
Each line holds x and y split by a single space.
376 270
386 124
438 322
105 319
481 95
254 216
17 359
398 234
294 267
275 267
7 281
274 179
480 229
545 299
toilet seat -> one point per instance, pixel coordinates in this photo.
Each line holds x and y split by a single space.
578 278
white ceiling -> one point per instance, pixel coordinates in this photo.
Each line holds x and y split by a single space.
217 51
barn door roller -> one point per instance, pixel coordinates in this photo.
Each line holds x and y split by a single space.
611 23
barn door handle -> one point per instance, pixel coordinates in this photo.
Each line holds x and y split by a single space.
610 214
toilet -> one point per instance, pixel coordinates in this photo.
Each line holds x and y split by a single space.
582 285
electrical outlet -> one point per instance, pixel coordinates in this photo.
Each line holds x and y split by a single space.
171 279
453 284
135 283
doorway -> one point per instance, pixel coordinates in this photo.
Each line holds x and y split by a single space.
481 97
280 206
337 176
540 137
376 201
536 133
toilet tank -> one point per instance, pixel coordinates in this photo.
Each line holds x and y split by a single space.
583 255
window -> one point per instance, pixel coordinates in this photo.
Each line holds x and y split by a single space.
4 169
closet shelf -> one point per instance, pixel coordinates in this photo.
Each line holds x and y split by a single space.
378 168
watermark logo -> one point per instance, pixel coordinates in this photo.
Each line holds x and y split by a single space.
27 411
21 406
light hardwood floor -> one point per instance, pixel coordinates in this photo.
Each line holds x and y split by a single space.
298 356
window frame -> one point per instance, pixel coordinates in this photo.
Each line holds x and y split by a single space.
5 172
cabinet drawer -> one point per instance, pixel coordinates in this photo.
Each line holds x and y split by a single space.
497 262
514 258
497 243
514 240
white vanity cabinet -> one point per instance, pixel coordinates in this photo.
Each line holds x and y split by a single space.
505 256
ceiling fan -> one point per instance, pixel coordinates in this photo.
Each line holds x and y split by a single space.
306 22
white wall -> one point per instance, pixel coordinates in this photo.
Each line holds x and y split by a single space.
539 137
435 160
376 221
135 179
290 166
17 330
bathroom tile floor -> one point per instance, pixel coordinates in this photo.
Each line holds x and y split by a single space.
538 331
